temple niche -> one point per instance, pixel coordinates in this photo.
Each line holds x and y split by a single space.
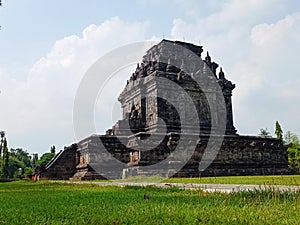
174 95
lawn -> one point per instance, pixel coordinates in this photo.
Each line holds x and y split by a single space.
61 203
259 180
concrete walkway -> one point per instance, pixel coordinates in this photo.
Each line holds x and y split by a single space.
224 188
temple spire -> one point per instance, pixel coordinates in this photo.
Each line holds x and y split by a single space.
221 74
208 58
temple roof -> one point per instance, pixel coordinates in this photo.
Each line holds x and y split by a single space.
177 60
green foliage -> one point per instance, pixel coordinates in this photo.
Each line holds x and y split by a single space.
264 133
5 160
28 171
18 163
17 168
45 158
21 155
58 203
14 167
278 131
293 151
294 158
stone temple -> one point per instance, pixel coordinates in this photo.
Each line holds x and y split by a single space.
177 121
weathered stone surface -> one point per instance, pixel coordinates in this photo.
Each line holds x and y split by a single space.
241 155
149 98
62 166
141 101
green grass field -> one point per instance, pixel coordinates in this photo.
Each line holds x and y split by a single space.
259 180
29 202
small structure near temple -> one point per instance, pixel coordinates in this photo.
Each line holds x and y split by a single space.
177 109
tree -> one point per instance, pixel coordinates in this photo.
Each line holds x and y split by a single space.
45 158
15 167
20 163
21 155
14 163
2 136
5 160
28 171
264 133
293 150
278 131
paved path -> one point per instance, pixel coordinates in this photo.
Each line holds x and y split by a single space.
225 188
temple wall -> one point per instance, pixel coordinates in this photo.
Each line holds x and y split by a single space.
238 155
241 155
62 166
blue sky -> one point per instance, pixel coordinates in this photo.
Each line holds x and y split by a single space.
47 46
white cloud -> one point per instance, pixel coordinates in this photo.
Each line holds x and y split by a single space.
38 111
226 30
231 14
258 50
268 81
256 45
